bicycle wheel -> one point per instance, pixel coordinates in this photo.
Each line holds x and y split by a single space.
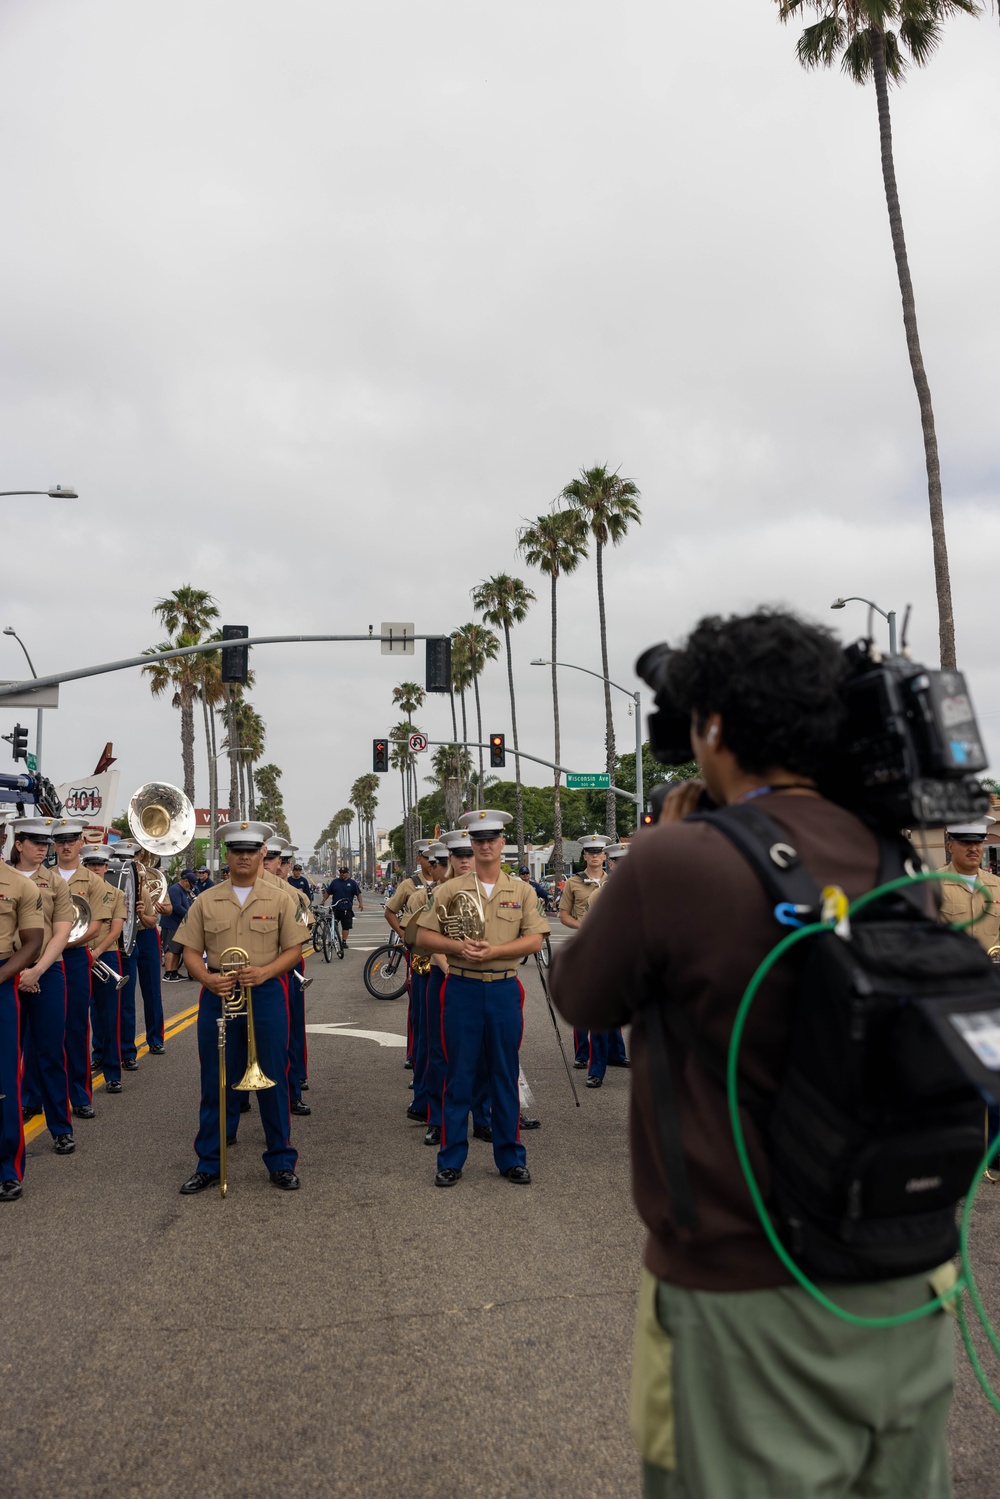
385 972
327 943
338 940
545 955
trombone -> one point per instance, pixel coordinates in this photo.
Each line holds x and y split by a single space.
254 1080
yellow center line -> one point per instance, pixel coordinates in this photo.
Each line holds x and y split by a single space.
171 1028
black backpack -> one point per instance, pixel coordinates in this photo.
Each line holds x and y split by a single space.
877 1125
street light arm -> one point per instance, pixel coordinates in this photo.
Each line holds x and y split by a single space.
9 630
855 598
571 666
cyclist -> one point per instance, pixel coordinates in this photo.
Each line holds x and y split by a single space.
342 893
540 890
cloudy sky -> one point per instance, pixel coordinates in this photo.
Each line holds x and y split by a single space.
315 304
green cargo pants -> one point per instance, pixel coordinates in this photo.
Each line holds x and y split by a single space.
766 1395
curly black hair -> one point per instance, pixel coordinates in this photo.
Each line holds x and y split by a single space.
775 679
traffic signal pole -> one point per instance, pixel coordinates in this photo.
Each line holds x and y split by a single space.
630 796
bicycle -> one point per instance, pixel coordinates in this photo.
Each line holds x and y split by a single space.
338 936
385 970
322 939
544 954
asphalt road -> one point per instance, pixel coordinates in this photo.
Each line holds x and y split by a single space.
366 1336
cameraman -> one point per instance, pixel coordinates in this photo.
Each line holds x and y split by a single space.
742 1386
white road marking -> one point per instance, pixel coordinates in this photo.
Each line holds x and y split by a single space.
384 1038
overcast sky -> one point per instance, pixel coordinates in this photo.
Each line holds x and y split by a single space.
315 304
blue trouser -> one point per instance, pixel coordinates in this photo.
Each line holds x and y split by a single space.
43 1032
436 1063
147 955
993 1126
107 1021
11 1124
581 1045
270 1022
598 1053
76 961
296 1032
616 1046
478 1017
126 1004
418 1051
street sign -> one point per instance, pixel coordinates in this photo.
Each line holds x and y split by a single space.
597 782
33 697
31 762
418 743
397 638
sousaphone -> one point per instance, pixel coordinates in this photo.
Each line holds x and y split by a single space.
161 818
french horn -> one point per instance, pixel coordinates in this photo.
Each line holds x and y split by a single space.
464 920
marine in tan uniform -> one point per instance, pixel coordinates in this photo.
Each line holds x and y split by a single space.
482 999
22 930
67 835
393 910
106 1016
252 914
437 859
42 989
577 894
965 844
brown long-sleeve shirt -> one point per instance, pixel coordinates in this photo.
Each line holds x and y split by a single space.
685 920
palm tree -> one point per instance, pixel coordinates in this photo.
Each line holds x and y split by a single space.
557 544
271 805
364 795
876 39
409 696
505 601
461 678
607 504
480 646
402 758
450 767
186 615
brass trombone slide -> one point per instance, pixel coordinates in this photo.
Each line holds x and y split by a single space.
254 1079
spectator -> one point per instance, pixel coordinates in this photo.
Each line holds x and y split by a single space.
343 892
180 896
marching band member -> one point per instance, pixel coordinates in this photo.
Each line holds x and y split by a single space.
125 849
297 1049
148 957
482 998
617 1055
393 906
42 989
590 1047
105 1004
67 835
248 912
22 920
437 859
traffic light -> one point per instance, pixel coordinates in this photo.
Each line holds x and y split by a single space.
380 754
498 752
438 663
235 658
647 819
19 742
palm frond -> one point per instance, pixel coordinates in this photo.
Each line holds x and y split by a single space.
819 44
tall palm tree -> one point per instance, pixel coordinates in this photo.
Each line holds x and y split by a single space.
504 601
409 696
461 678
271 804
556 544
186 615
480 645
364 795
876 39
608 504
402 758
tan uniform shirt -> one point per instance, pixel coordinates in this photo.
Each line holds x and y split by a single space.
110 906
510 912
577 895
56 904
98 894
403 892
959 903
303 903
21 909
264 926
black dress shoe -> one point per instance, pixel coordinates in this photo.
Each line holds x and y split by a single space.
528 1122
287 1181
621 1062
447 1177
420 1115
129 1064
482 1132
85 1111
230 1139
433 1135
519 1175
27 1114
198 1183
408 1065
579 1066
112 1086
594 1082
10 1190
298 1107
245 1104
304 1086
156 1048
64 1145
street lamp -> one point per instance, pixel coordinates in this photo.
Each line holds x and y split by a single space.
56 493
639 798
890 617
9 630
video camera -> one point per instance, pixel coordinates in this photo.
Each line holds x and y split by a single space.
908 751
31 790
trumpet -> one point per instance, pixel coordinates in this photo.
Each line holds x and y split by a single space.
254 1080
107 975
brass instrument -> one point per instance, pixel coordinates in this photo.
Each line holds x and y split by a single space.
107 975
161 818
254 1080
994 954
152 881
464 919
81 921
